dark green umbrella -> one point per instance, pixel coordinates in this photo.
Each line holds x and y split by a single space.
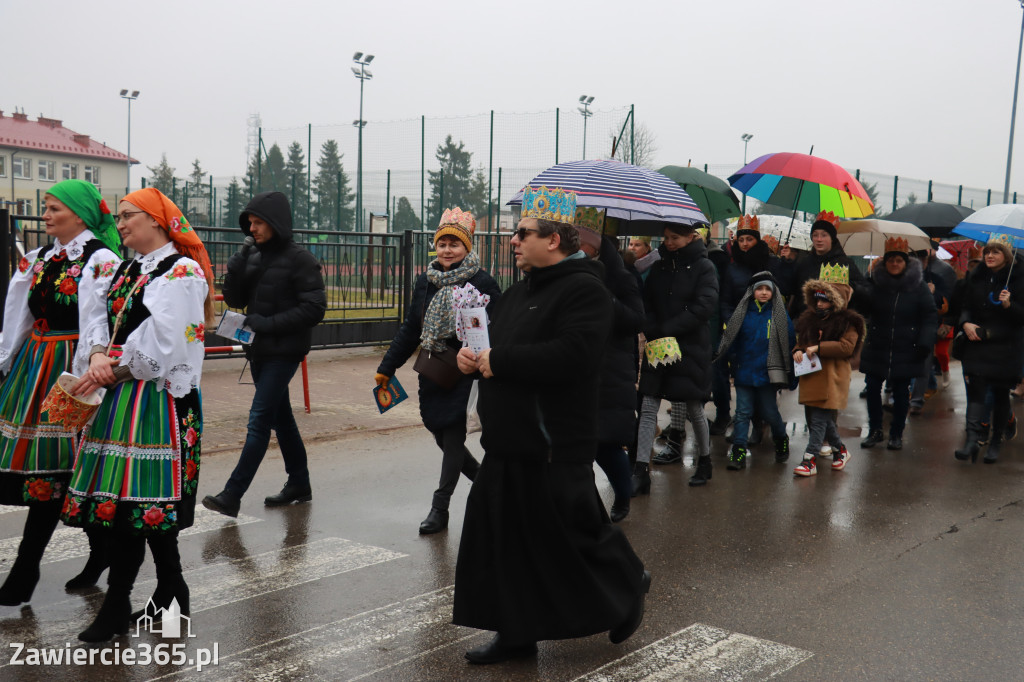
713 195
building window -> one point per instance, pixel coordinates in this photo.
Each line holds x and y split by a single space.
24 207
47 170
92 174
22 168
3 166
69 171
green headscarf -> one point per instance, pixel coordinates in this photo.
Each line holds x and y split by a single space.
85 201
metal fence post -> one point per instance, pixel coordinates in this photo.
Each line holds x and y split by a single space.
929 190
490 174
423 169
407 268
960 196
988 200
632 135
556 136
895 188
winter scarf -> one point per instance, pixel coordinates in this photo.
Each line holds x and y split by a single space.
779 358
439 320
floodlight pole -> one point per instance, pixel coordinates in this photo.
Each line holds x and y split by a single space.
746 140
363 75
128 163
1013 115
586 113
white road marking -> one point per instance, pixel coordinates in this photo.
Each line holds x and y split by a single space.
8 508
212 586
359 646
71 543
701 652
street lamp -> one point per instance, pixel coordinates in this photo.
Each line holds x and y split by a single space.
363 60
1013 114
128 163
587 113
746 139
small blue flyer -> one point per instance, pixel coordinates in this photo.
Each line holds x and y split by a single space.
389 395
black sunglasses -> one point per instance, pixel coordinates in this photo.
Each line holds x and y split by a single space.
521 232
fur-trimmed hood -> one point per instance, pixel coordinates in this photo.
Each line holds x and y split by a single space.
812 285
908 281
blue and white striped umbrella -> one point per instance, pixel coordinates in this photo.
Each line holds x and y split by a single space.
997 219
625 191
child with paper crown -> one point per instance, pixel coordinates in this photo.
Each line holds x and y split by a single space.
758 343
833 333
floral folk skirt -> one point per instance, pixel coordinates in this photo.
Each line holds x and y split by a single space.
35 457
137 468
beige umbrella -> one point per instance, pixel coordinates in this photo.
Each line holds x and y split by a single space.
867 237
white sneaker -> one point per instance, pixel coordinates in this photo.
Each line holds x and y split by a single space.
826 451
945 380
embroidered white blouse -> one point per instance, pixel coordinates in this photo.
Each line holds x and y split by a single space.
167 347
92 299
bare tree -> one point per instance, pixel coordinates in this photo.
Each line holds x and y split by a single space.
641 151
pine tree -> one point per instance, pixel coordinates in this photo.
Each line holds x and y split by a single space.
295 170
198 206
233 204
405 218
457 179
326 190
162 176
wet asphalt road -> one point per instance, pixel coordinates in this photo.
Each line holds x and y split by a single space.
905 566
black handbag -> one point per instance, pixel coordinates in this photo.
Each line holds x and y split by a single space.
441 367
956 348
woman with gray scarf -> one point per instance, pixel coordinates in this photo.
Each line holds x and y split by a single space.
758 343
430 325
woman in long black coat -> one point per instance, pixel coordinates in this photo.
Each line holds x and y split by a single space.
901 322
993 322
680 295
430 322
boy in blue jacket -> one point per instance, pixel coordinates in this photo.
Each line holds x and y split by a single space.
758 343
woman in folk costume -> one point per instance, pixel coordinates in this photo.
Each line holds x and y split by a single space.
56 291
137 469
430 326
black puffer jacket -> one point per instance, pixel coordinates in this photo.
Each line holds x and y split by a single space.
680 296
809 267
901 323
277 282
617 402
438 408
997 357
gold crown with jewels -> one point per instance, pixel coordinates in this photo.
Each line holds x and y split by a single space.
835 274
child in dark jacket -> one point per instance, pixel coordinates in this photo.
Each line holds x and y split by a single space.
758 344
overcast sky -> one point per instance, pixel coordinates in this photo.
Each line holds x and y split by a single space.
918 88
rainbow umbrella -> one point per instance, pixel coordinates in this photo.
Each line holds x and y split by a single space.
803 183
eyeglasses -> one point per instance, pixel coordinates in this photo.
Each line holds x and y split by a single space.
522 231
123 215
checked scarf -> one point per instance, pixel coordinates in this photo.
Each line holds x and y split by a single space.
439 320
780 361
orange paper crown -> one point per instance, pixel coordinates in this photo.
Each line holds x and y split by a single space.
897 244
748 222
828 217
772 242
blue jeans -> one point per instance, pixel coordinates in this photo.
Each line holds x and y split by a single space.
760 400
821 426
271 409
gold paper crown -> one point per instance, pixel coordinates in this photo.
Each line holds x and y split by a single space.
590 218
1004 239
748 222
835 274
549 204
459 224
897 244
772 242
828 217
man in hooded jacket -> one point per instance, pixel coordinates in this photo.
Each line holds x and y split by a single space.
280 286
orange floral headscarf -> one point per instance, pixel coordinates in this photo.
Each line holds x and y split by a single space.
167 214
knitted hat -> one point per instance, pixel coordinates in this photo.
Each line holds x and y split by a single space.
459 224
897 246
826 220
761 278
748 225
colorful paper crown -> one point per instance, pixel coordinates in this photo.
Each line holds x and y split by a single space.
772 242
828 217
590 219
974 253
835 274
897 244
1004 239
703 232
748 222
459 224
549 204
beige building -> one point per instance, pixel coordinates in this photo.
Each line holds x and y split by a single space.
36 154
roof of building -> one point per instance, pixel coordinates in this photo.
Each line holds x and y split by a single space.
50 135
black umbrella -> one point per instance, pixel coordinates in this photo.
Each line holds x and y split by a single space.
934 217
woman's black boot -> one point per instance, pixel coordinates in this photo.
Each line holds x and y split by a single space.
641 479
620 509
127 553
992 453
97 563
170 583
703 473
21 581
976 430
